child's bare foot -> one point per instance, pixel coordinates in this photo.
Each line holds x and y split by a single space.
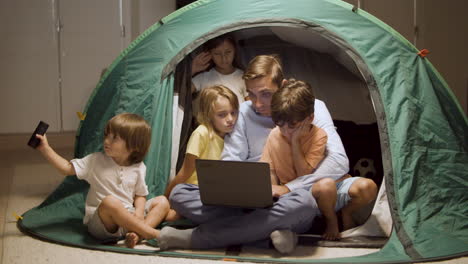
131 239
332 232
172 215
348 221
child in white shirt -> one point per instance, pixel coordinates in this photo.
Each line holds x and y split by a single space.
225 70
116 204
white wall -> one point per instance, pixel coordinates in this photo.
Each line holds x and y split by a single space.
30 65
49 74
29 89
89 41
147 12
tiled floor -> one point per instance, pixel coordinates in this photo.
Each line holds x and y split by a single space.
27 179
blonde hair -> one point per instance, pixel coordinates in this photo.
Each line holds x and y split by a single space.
293 103
135 131
265 66
208 97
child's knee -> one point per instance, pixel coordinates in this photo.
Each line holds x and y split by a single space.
176 191
172 215
325 186
365 188
109 203
161 203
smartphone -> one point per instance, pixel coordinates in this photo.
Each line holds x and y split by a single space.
40 129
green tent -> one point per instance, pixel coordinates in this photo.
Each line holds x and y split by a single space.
361 62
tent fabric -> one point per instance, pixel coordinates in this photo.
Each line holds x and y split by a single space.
422 128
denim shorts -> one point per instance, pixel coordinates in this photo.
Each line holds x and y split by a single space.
342 189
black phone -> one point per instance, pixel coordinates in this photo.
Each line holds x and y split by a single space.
40 129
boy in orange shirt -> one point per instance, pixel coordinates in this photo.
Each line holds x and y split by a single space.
295 147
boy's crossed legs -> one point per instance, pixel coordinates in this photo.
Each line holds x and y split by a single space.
114 215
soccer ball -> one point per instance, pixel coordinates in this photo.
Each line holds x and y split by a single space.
364 168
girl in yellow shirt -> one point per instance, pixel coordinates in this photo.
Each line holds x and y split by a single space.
217 115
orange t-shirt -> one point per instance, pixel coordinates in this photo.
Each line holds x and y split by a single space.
278 152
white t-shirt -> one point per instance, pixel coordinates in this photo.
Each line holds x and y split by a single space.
106 177
232 81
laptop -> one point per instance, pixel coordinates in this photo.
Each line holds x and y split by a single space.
234 183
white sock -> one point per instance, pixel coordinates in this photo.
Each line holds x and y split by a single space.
175 238
285 241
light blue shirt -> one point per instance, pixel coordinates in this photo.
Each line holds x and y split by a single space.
246 142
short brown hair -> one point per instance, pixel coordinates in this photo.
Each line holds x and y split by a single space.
265 66
293 103
208 97
135 131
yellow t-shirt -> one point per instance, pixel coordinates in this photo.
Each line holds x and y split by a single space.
201 145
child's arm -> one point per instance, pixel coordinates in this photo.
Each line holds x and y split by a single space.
276 188
188 167
274 178
64 166
300 163
301 159
139 203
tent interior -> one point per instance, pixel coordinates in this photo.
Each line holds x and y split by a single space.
306 54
